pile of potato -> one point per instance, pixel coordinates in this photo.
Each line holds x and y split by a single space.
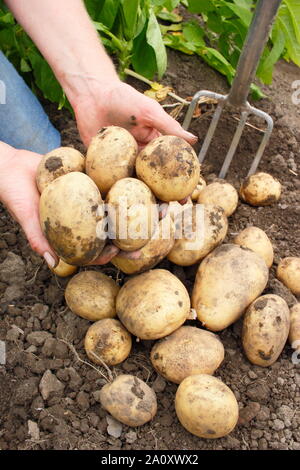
154 304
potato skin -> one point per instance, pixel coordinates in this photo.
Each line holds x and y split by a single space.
71 216
294 334
64 269
288 272
150 254
215 230
170 167
187 351
126 195
200 186
92 295
153 304
220 193
57 163
110 157
129 400
260 189
227 281
206 407
256 240
265 329
107 341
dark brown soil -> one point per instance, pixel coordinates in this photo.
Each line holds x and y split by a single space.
35 323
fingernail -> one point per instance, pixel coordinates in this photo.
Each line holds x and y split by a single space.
192 136
49 260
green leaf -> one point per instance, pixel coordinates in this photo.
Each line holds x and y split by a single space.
193 33
243 13
265 69
201 6
24 66
129 9
166 15
293 7
109 12
143 56
154 39
285 23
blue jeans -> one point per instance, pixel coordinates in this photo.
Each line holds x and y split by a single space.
23 122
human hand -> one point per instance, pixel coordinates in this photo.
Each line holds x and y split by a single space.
122 105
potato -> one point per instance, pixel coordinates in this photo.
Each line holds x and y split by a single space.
206 407
227 281
129 400
220 193
132 213
153 304
294 334
111 156
57 163
260 189
212 230
187 351
200 186
153 252
288 272
71 215
265 329
256 240
92 295
170 167
64 269
107 341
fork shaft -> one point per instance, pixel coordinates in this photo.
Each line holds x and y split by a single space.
256 39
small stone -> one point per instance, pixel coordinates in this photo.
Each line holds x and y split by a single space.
285 412
280 381
39 310
114 427
50 385
83 401
131 437
278 425
159 384
37 338
32 349
14 333
33 430
252 374
249 412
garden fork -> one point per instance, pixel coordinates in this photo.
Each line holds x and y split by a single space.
237 98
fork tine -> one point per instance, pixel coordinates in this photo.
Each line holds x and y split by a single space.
267 134
211 131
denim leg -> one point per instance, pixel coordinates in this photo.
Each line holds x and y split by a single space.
23 122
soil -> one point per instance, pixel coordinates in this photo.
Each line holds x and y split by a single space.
49 397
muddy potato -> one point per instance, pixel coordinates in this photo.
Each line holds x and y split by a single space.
170 167
227 281
220 193
206 407
129 400
111 156
71 216
153 304
107 341
294 334
288 272
152 253
265 329
57 163
200 186
187 351
260 189
199 241
64 269
132 213
92 295
256 240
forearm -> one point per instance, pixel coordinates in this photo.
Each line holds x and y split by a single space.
6 154
66 37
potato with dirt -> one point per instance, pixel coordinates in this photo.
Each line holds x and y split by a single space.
205 227
260 189
92 295
170 167
222 194
266 328
206 407
108 342
129 400
160 244
153 304
57 163
228 280
110 157
187 351
294 333
256 240
71 216
64 269
132 214
288 272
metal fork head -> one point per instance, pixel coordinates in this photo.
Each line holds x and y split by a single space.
245 112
